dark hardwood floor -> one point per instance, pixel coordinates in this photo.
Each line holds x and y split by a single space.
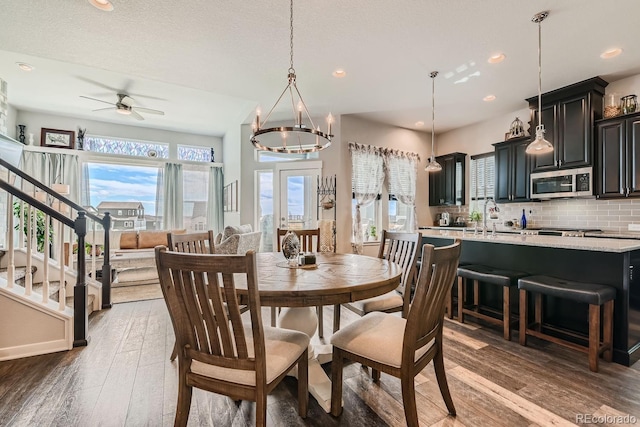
124 377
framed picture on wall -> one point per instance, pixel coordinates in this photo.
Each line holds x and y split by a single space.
57 138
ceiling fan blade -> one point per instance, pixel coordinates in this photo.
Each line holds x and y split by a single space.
96 99
136 115
126 100
103 109
149 110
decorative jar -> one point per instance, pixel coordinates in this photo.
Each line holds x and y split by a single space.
291 247
611 105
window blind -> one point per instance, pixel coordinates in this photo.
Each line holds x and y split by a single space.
483 173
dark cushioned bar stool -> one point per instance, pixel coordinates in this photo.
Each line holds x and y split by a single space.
594 294
495 276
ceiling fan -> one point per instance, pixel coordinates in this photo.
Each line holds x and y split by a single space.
124 105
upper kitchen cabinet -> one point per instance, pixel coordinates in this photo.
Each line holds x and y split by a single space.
513 167
568 115
446 187
618 154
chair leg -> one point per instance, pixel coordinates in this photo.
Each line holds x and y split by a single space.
441 376
274 314
450 304
336 318
537 304
607 331
594 336
506 313
375 375
336 382
261 408
303 384
174 352
524 314
320 321
461 286
409 400
184 402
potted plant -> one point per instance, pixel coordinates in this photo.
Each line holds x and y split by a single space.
373 234
475 217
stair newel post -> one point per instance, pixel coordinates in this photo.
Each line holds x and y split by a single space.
11 260
106 266
80 317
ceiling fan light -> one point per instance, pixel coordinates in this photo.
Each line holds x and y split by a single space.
124 111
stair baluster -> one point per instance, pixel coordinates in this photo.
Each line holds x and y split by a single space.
28 278
45 267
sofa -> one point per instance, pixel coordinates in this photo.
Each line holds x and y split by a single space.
237 240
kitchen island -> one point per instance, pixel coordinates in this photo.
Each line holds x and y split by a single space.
606 261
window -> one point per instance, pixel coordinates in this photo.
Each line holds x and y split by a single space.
370 216
126 147
399 215
128 224
195 190
195 154
482 177
264 190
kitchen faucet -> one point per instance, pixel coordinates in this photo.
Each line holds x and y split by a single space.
484 213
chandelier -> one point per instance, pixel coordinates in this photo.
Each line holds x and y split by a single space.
433 165
301 137
539 145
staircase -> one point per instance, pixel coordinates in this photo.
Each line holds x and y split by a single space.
44 303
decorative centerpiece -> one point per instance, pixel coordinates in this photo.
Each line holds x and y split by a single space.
291 247
516 129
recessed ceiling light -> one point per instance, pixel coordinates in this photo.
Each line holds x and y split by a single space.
420 123
25 67
489 98
498 57
611 53
339 73
104 5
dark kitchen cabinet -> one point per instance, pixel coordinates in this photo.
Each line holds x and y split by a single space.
446 187
568 115
618 154
513 167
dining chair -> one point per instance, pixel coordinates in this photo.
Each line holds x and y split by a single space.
194 243
403 347
217 352
401 248
309 242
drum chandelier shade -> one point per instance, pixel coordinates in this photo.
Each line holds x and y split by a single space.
301 137
539 145
432 164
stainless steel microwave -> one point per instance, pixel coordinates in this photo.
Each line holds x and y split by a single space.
562 183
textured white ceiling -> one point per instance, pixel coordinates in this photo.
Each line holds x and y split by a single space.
207 64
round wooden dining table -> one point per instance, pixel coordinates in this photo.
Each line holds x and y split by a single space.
334 279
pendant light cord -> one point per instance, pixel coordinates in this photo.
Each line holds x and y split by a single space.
291 69
433 113
539 72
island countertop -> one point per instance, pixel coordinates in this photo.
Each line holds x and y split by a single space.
596 244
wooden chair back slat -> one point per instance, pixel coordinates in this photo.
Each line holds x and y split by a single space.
202 300
193 243
309 239
401 248
436 277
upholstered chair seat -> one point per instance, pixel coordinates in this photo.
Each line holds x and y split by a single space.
388 301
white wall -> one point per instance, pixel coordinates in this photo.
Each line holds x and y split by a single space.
36 121
231 147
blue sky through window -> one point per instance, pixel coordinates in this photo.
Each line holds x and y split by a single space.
113 183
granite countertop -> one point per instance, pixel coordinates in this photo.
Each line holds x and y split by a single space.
599 244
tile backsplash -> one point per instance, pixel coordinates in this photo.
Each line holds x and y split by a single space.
607 215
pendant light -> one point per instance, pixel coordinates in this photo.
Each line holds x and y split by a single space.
299 138
433 165
539 145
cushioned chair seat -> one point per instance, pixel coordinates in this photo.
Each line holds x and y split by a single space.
488 274
282 348
384 302
376 336
590 293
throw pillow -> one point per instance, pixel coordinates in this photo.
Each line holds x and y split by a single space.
230 230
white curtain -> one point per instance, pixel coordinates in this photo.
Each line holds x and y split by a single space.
215 202
367 176
170 196
54 168
402 169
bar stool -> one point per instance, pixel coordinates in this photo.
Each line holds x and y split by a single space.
495 276
594 294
